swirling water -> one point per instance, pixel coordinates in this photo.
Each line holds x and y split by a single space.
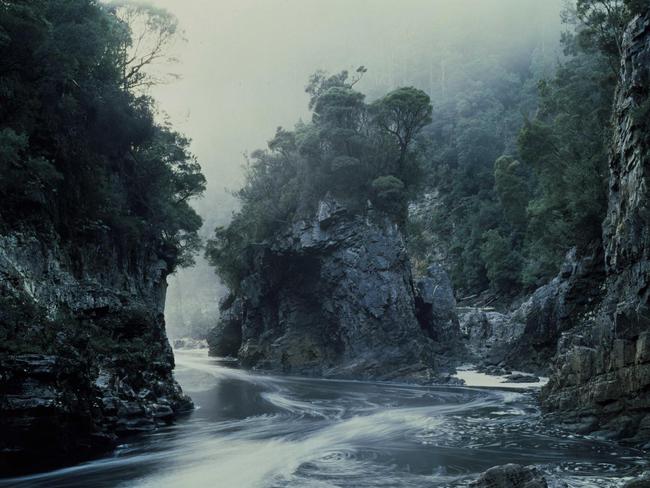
262 431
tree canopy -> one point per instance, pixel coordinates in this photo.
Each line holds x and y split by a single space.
518 158
364 155
78 146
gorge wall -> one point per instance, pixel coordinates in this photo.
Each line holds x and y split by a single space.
84 356
601 373
526 338
334 296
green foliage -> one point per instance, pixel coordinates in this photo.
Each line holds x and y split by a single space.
23 179
388 194
508 224
637 7
474 126
346 151
565 147
512 188
403 113
601 24
502 264
146 35
78 147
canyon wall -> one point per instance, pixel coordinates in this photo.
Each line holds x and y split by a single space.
334 296
84 356
601 373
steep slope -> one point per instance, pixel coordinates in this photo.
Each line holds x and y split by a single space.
85 357
95 214
601 374
526 338
334 296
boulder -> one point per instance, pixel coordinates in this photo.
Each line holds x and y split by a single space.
511 476
522 378
642 482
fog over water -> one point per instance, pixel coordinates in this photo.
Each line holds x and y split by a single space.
245 64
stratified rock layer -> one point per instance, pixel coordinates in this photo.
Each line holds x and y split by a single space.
84 357
334 296
601 378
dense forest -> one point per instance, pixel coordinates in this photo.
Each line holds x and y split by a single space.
521 173
96 189
505 172
81 143
364 155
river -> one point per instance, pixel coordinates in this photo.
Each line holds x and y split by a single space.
252 430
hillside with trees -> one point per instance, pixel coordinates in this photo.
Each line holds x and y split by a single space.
363 155
81 143
96 190
518 159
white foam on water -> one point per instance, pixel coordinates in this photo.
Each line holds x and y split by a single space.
473 378
256 463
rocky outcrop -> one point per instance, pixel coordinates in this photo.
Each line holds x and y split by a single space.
333 296
435 306
83 353
527 338
226 337
517 476
601 375
488 333
511 476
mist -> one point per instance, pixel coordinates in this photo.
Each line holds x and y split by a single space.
244 65
351 243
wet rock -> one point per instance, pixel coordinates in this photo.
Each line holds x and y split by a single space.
334 296
489 334
511 476
642 482
522 378
493 370
436 305
83 355
225 339
190 343
526 338
601 370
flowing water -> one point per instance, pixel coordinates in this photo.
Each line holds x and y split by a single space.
252 430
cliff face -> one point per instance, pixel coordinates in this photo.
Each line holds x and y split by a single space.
84 355
601 376
334 296
526 338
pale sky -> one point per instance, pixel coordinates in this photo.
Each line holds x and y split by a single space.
246 62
